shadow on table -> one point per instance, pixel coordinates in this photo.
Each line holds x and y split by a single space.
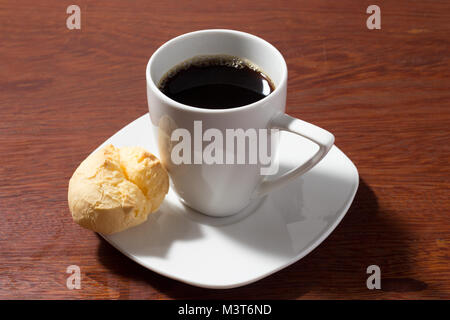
337 266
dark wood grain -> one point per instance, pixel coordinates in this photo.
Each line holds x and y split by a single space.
383 93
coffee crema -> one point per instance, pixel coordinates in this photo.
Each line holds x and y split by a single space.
216 82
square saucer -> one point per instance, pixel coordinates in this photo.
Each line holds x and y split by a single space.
270 234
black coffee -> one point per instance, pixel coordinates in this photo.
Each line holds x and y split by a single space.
216 82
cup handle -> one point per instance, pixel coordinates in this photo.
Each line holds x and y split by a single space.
321 137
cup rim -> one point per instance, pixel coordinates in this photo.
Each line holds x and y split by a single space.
182 106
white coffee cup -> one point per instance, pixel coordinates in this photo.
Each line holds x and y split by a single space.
224 189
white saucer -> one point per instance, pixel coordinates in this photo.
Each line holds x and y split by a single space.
269 235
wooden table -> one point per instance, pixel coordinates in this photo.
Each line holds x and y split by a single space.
383 93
